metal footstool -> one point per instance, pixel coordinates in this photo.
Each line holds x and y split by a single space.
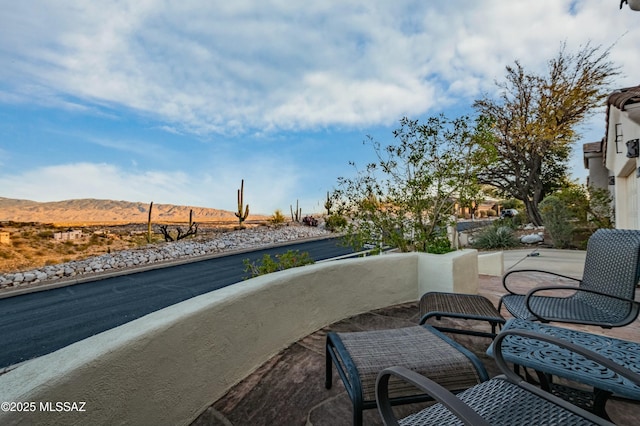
360 356
458 305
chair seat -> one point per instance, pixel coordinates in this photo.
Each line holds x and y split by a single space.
569 309
500 402
550 359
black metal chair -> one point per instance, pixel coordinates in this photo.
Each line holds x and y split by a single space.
503 400
604 296
559 371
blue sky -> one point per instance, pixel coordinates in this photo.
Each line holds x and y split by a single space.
177 101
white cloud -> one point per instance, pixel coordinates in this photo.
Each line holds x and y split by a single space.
228 67
257 68
267 184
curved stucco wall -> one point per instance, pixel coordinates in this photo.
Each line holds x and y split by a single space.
169 366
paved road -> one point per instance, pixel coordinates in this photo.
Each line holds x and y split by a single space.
36 324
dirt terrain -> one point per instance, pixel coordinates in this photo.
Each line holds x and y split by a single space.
32 245
27 228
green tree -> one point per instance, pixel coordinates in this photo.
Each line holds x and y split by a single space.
589 207
536 119
406 198
576 209
557 220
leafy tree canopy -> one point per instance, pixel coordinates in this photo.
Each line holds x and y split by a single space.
536 119
406 198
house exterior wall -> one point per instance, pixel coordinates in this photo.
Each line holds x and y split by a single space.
598 173
68 235
624 170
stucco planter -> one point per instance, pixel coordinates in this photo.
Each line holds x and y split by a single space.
455 272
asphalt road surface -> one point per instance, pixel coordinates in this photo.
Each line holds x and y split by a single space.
35 324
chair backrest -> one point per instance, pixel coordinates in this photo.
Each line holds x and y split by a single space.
612 266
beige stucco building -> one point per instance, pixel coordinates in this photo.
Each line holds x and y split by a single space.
614 162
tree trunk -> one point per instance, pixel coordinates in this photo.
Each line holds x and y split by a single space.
533 213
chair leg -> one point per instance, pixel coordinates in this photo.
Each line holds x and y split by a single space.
328 374
357 415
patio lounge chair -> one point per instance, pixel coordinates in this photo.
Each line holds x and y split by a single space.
504 400
558 370
602 297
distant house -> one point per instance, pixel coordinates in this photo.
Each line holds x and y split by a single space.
594 162
67 235
614 162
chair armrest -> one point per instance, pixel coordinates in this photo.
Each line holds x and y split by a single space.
565 344
553 274
431 388
539 317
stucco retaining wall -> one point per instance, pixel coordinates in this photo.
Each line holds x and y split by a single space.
169 366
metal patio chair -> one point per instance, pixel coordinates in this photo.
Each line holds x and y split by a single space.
559 371
604 296
503 400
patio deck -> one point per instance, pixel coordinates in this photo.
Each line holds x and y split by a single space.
289 388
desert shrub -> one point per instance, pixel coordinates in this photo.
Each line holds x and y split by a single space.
600 214
509 222
287 260
335 222
491 213
45 235
557 221
277 218
497 236
439 245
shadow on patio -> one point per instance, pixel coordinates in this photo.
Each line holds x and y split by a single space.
289 388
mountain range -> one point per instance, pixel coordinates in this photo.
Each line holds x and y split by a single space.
104 211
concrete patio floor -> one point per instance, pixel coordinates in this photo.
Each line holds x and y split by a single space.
289 388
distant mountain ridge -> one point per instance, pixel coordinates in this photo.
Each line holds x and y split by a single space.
89 210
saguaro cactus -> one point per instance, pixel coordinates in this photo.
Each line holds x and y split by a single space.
298 213
328 204
149 223
239 214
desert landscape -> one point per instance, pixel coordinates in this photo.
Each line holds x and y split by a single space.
89 227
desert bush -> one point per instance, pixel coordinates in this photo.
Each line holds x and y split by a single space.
497 236
277 218
335 222
439 245
287 260
491 213
45 235
557 221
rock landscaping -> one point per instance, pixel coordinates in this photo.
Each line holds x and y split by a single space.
250 238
